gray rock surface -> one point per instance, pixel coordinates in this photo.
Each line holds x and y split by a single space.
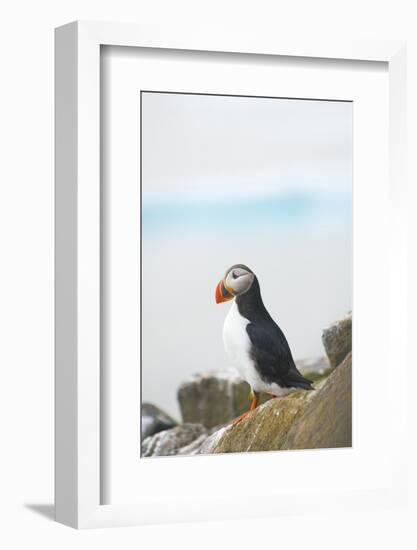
213 398
155 420
337 340
173 441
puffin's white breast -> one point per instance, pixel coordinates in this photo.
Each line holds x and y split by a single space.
237 345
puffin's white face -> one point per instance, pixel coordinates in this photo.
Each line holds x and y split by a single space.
237 280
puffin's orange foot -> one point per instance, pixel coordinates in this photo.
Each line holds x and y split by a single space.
239 419
254 396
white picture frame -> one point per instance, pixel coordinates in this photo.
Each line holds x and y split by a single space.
77 423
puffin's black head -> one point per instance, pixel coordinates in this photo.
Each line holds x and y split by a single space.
237 280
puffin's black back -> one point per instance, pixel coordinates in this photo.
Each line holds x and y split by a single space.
269 350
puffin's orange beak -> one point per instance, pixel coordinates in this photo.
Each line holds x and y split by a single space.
222 294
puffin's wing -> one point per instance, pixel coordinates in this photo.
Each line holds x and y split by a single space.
272 357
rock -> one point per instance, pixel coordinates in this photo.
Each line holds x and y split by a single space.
194 448
326 421
209 445
216 397
337 340
301 420
171 442
213 398
155 420
263 430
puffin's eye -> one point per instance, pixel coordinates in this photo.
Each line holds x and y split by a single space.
234 275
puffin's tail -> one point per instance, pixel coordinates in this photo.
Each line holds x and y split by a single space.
296 380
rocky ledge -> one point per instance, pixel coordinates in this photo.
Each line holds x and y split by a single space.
321 418
216 397
302 420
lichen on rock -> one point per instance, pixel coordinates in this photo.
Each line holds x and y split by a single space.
264 429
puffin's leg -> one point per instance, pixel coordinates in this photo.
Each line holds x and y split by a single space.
254 396
254 403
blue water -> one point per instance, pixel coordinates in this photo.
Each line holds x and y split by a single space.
293 210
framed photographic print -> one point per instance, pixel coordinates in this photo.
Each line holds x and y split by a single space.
228 220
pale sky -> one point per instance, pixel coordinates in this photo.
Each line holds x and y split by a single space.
232 145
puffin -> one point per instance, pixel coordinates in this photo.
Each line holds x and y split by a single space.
253 341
